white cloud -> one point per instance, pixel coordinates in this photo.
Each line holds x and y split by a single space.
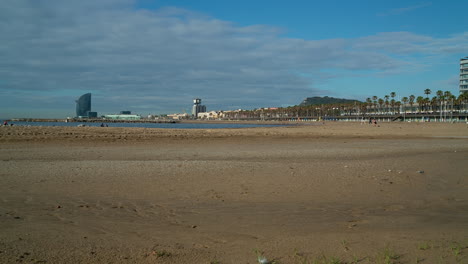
168 56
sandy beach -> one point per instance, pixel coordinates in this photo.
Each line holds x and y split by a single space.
323 192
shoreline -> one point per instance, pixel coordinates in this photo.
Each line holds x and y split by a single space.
292 120
318 130
332 190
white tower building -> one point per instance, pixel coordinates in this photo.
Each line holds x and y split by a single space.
464 75
197 107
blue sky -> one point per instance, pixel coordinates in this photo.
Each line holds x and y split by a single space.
333 19
155 56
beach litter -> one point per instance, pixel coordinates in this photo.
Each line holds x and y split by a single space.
420 171
262 260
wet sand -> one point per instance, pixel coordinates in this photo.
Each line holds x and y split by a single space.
301 194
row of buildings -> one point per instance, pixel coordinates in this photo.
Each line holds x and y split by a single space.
83 110
83 104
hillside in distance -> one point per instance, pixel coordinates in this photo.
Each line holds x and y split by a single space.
317 100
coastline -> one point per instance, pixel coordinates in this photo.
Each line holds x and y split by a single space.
145 195
310 130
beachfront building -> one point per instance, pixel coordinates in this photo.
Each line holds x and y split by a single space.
83 105
197 107
464 75
122 117
178 116
213 115
92 114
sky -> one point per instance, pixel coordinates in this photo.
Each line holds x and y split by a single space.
156 56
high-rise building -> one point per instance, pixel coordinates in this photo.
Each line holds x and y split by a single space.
83 105
464 75
197 107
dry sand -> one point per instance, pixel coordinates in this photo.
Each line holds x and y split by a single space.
298 194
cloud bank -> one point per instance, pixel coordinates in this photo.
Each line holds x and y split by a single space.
157 61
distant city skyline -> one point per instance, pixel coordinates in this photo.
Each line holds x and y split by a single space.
154 57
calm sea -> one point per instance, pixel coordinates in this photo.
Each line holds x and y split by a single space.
148 125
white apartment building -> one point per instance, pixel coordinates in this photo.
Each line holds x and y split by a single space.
212 115
464 75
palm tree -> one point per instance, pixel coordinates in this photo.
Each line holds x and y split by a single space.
405 101
386 101
447 97
398 105
434 103
363 109
381 101
427 92
392 102
440 98
369 102
374 100
447 94
420 101
411 102
463 100
426 104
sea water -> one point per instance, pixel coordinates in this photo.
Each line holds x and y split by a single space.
148 125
